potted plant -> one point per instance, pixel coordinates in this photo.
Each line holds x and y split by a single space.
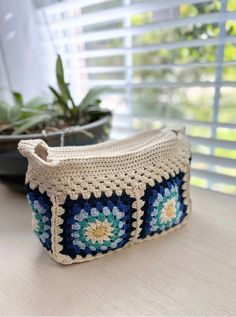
61 122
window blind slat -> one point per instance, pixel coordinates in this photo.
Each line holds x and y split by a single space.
193 139
213 142
206 45
71 70
149 48
214 177
65 6
122 117
122 32
167 24
214 160
104 16
120 12
199 158
160 84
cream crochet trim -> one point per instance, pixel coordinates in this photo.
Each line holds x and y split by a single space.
110 167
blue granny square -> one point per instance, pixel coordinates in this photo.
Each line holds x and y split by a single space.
164 206
41 206
96 225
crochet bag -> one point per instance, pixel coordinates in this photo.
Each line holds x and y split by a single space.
88 201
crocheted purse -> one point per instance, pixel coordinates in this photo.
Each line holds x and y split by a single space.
88 201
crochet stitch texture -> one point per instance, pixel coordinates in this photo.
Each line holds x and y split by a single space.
92 200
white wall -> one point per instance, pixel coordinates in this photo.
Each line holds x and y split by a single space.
20 47
3 78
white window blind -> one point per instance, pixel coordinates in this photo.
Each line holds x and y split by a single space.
168 62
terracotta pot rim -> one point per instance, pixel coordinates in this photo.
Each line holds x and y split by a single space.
88 126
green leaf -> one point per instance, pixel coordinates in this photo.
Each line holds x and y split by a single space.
4 110
8 113
61 79
97 113
62 85
59 100
27 113
91 97
94 114
17 98
59 68
31 122
94 105
32 111
37 102
57 95
14 113
64 102
64 89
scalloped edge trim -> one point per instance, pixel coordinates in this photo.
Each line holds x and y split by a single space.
169 168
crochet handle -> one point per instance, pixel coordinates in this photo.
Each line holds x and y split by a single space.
179 131
36 149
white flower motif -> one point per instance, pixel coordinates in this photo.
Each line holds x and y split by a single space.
75 234
45 219
99 231
154 228
114 245
154 212
167 192
76 226
159 199
115 211
121 224
38 207
92 248
104 247
94 212
121 233
79 244
106 211
153 221
81 216
45 235
169 210
174 189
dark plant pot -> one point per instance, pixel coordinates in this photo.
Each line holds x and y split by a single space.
13 166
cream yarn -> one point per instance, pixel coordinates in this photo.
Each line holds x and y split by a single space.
116 171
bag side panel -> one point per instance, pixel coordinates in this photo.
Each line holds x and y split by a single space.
164 206
41 206
90 228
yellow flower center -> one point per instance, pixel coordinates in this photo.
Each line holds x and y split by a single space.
100 231
170 209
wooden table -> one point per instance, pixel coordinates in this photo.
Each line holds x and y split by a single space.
189 272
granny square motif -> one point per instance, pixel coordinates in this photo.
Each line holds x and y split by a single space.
164 206
96 225
41 217
93 200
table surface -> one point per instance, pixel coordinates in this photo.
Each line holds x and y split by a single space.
191 271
